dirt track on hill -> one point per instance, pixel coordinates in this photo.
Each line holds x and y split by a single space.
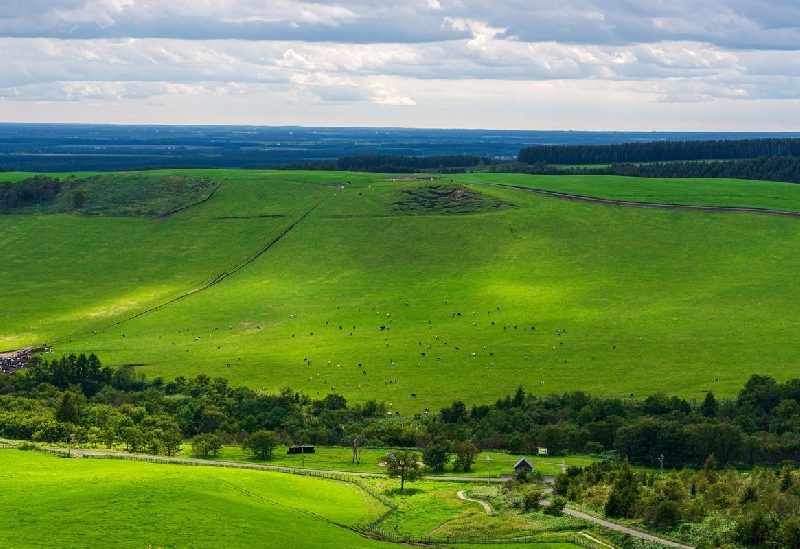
654 205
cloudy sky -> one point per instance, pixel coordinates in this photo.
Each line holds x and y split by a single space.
515 64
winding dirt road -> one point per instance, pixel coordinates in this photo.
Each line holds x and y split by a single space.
485 505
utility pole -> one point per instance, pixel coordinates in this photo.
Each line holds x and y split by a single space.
489 463
661 459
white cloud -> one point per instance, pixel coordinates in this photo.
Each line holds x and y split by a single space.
371 54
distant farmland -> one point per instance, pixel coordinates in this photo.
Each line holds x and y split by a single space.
448 289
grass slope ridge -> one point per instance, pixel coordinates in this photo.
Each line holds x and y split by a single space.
556 295
146 194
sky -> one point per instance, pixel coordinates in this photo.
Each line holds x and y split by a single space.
691 65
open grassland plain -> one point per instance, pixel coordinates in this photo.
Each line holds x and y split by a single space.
51 502
380 289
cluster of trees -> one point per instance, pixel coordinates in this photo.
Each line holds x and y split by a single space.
78 397
707 507
775 168
760 426
660 151
33 191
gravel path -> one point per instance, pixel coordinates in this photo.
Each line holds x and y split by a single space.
625 529
483 503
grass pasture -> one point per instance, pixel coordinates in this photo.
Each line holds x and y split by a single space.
382 289
51 502
691 192
337 458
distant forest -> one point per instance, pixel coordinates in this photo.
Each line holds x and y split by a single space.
776 168
757 159
391 163
659 151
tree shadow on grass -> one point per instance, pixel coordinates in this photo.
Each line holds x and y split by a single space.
407 492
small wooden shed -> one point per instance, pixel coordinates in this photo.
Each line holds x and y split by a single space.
523 465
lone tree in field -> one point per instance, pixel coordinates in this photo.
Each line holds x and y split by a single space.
261 443
466 452
404 464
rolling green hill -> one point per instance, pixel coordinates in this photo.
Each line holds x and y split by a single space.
445 289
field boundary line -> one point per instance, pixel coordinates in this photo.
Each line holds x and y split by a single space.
179 209
653 205
219 277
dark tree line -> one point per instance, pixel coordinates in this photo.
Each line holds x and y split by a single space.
34 191
760 426
659 151
776 168
390 163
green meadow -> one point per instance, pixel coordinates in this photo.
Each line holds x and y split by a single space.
691 192
337 458
445 290
52 502
48 501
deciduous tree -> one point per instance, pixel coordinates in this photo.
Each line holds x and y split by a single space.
404 464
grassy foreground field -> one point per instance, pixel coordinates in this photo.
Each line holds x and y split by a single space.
52 502
381 289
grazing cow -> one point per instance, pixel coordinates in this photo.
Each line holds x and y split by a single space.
413 395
